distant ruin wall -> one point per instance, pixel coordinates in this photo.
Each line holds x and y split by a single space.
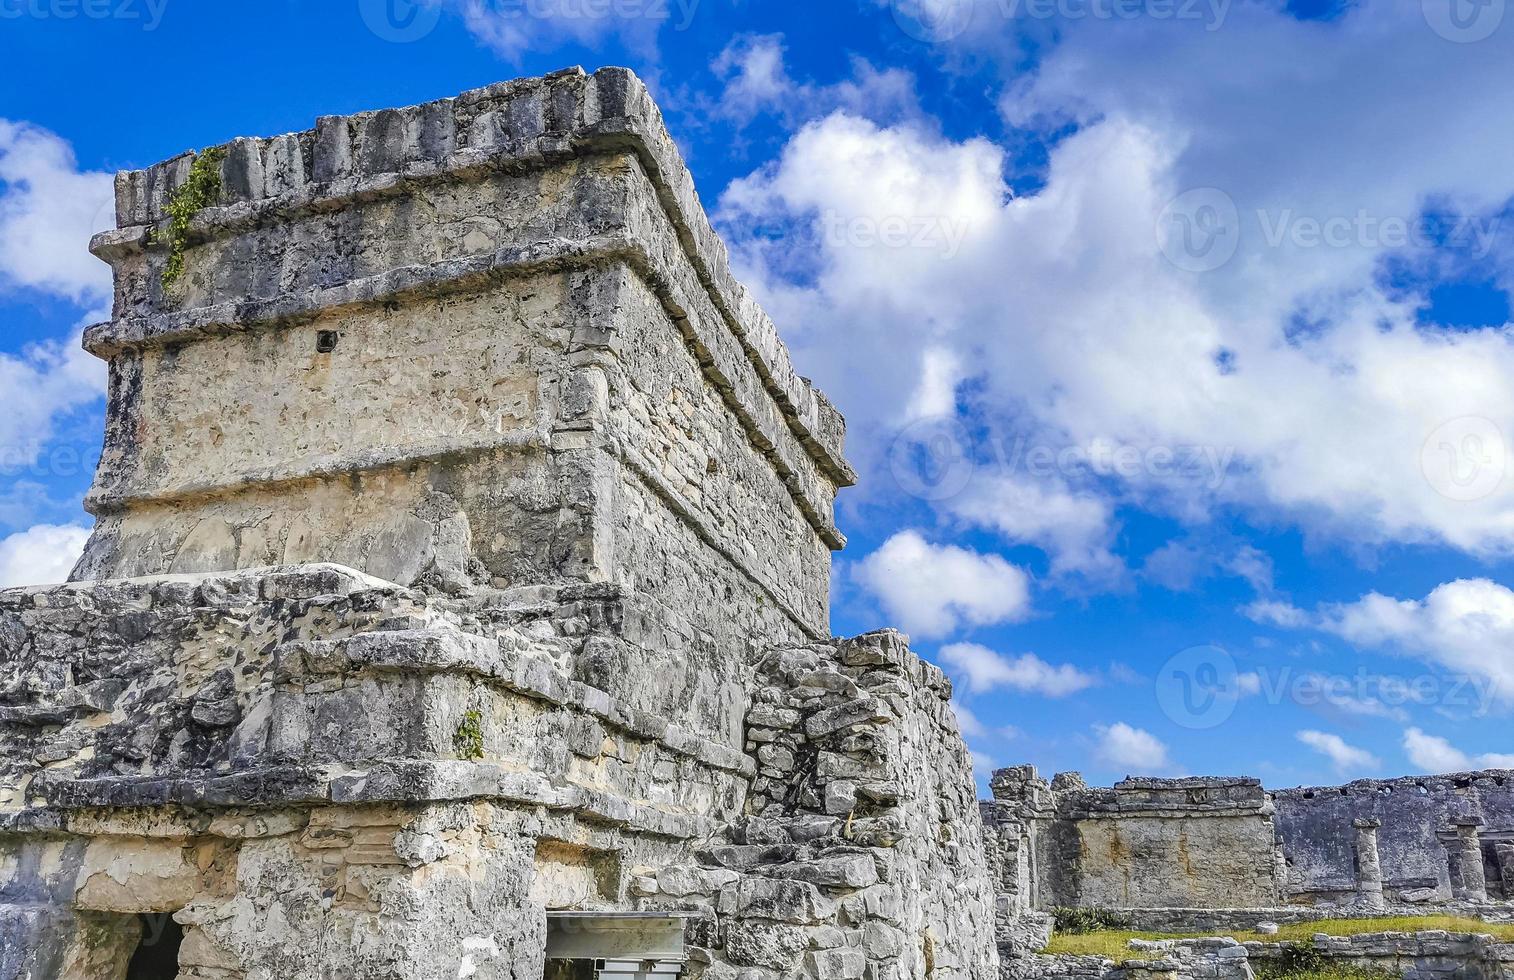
1220 852
1198 843
1418 843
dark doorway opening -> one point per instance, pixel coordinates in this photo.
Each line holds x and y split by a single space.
157 955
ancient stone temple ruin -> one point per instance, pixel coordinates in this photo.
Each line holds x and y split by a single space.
458 607
1204 856
1204 853
458 601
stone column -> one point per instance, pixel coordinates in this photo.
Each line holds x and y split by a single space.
1474 882
1369 865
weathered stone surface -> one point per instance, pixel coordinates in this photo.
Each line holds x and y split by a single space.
463 557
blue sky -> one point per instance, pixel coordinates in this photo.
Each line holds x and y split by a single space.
1173 333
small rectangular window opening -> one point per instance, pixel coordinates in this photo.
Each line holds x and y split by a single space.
157 955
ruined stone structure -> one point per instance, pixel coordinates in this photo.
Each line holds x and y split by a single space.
458 601
1213 855
1433 955
1442 838
1146 843
1223 853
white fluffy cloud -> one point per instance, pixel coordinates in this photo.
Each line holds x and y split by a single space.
1347 759
756 81
985 670
43 555
1075 529
1434 755
1465 626
1077 329
1135 750
754 73
1276 612
969 723
48 211
1182 565
511 29
933 590
45 380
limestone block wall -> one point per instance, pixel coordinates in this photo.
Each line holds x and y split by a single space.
1144 843
463 556
1432 955
860 855
319 774
1417 841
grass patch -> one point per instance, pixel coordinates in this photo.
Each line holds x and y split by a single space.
1113 943
1303 931
1270 970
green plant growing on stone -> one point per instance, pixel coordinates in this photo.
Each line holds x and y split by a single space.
468 740
1298 959
201 189
1081 921
1306 963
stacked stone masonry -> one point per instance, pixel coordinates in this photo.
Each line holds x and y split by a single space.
461 571
1208 853
1429 840
1433 955
461 580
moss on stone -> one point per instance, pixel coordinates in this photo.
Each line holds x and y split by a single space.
468 740
201 189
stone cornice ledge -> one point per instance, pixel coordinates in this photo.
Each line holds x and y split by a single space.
510 125
405 781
